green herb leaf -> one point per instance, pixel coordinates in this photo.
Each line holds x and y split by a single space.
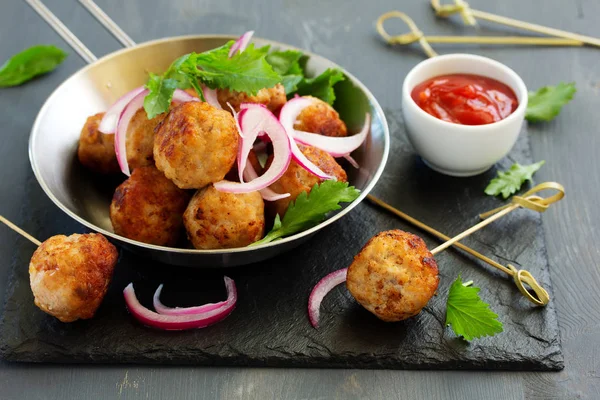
287 64
322 85
545 104
508 182
29 63
310 209
247 72
468 315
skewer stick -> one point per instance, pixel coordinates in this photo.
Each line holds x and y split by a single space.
20 231
529 200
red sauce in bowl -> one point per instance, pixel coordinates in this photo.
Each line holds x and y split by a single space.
465 99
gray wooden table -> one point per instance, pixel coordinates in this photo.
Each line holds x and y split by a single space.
344 32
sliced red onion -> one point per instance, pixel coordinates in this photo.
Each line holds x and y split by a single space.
253 120
241 44
320 291
179 96
174 322
210 95
162 309
109 122
266 193
121 134
287 116
336 146
351 160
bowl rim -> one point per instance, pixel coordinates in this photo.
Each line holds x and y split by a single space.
521 88
372 100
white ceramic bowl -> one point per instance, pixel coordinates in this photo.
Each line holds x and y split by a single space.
455 149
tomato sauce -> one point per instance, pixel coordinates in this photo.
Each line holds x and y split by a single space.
465 99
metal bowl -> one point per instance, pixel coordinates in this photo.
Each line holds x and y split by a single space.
86 198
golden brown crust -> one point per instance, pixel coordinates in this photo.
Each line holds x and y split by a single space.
140 139
149 208
297 179
97 150
69 276
195 145
321 118
393 276
219 220
273 98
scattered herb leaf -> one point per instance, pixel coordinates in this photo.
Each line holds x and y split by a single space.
322 85
287 64
468 315
508 182
310 209
29 63
246 72
546 102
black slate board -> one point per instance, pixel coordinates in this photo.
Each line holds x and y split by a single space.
270 325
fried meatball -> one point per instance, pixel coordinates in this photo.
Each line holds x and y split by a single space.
219 220
97 150
149 208
297 179
196 144
69 275
321 118
393 276
140 139
273 98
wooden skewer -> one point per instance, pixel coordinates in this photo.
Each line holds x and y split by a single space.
529 200
20 231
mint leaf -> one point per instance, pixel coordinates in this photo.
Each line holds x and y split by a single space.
546 103
322 85
509 182
310 209
29 63
468 315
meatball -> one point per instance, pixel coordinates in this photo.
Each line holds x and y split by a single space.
273 98
97 150
219 220
297 179
196 144
140 139
69 275
321 118
393 276
149 208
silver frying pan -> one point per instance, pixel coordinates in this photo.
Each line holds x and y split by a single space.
55 134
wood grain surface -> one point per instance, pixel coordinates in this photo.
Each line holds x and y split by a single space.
342 31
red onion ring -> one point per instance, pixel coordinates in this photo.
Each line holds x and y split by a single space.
179 96
210 95
174 322
109 122
320 291
266 193
287 117
253 120
162 309
351 160
241 44
336 146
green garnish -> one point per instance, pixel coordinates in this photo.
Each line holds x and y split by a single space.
545 104
468 315
322 85
246 72
310 209
508 182
29 63
287 64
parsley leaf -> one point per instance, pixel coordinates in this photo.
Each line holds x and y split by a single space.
468 315
29 63
246 72
322 85
508 182
545 104
310 209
